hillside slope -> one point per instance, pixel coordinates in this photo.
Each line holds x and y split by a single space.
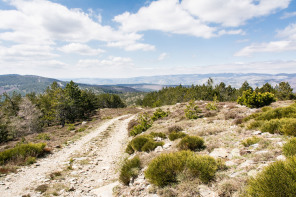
30 83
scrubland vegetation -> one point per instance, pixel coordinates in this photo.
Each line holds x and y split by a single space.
236 142
217 148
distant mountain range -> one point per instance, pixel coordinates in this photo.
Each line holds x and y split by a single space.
31 83
157 82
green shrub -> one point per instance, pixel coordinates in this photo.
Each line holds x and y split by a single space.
193 143
71 127
288 126
151 145
3 133
277 179
81 129
212 105
289 148
250 141
202 166
30 160
164 169
266 108
285 126
278 113
142 143
21 152
192 111
130 170
158 134
272 126
159 113
145 123
255 124
43 136
254 99
176 135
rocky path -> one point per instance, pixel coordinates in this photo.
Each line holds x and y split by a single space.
87 167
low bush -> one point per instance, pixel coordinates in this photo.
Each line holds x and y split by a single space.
250 141
145 123
158 134
289 148
81 129
254 99
285 126
212 105
132 124
159 113
193 143
21 152
278 113
142 143
71 127
130 170
30 160
277 179
43 136
176 135
266 108
192 111
175 128
164 169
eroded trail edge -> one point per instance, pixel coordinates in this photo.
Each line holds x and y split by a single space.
88 165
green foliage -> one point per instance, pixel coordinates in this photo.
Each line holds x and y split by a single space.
254 99
278 113
159 113
164 169
277 179
193 143
250 141
192 111
289 148
30 160
4 132
142 143
144 123
285 126
212 105
43 136
284 91
82 129
130 170
266 108
158 134
176 135
71 127
21 152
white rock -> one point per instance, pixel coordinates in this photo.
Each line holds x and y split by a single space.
219 153
257 133
252 173
281 158
157 139
254 145
230 163
158 149
167 145
261 152
266 134
234 153
246 164
281 144
83 123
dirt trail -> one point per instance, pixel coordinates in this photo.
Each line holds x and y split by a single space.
93 167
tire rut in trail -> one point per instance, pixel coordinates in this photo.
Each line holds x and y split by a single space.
30 177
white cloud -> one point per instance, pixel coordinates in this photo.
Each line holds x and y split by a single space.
164 15
162 56
287 44
289 32
42 21
276 46
81 49
202 18
288 15
232 12
131 46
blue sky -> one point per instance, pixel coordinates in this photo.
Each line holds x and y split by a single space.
128 38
